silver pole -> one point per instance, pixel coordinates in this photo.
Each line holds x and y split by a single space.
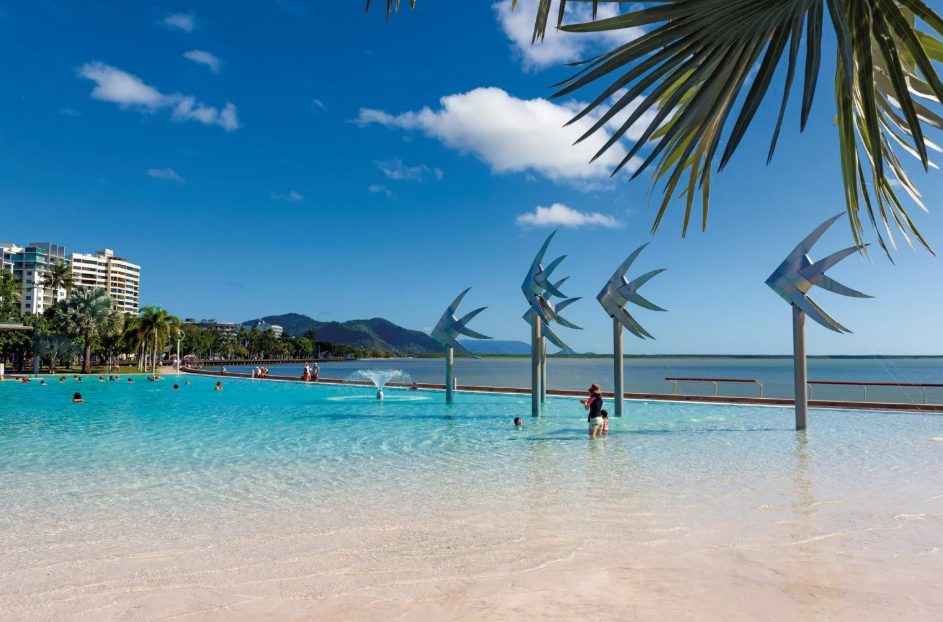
799 364
36 344
449 374
543 369
535 366
618 372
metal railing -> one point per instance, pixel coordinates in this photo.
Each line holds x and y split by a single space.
715 381
923 386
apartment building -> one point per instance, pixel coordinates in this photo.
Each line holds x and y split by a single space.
30 264
116 275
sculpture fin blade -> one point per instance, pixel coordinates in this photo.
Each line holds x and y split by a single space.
643 302
642 280
631 325
554 338
458 301
809 241
834 286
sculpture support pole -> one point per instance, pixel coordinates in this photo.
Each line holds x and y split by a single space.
617 367
799 364
536 374
36 343
449 374
543 369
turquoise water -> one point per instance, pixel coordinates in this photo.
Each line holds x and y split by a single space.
141 483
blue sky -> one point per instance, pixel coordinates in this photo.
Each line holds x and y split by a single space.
302 156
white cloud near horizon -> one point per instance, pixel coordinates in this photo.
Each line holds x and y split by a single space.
202 57
293 196
181 21
560 215
129 91
396 169
512 135
167 174
558 47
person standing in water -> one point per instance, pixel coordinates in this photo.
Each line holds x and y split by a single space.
594 406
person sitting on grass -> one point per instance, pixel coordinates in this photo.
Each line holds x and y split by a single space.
77 398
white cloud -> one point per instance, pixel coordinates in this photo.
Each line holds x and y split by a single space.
511 134
378 189
181 21
560 215
400 171
202 57
70 112
129 91
167 174
317 105
558 47
291 197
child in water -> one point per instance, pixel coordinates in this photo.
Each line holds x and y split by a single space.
518 423
605 421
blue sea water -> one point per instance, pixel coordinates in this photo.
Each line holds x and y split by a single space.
162 480
647 375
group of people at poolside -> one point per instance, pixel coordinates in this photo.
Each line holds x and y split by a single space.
597 417
260 372
311 373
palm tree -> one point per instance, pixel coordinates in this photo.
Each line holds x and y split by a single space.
158 325
10 294
700 58
59 276
56 347
86 314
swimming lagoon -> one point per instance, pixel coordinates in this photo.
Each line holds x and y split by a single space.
302 501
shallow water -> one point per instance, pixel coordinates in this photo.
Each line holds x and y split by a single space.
313 500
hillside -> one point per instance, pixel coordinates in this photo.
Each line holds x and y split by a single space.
375 333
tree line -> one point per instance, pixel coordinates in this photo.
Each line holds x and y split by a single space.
85 326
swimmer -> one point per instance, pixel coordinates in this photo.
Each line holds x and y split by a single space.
62 379
101 379
518 423
176 387
219 385
42 383
77 398
130 379
380 394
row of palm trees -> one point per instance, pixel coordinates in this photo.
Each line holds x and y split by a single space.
88 315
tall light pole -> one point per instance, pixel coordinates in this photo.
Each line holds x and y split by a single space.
446 332
180 336
792 280
618 292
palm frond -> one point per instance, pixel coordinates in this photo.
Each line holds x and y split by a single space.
699 59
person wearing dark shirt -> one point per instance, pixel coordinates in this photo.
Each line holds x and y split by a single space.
594 406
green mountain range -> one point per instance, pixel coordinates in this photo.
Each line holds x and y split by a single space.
375 333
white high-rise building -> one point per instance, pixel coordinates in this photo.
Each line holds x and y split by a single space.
29 265
120 278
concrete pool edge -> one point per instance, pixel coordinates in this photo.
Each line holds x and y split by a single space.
657 397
